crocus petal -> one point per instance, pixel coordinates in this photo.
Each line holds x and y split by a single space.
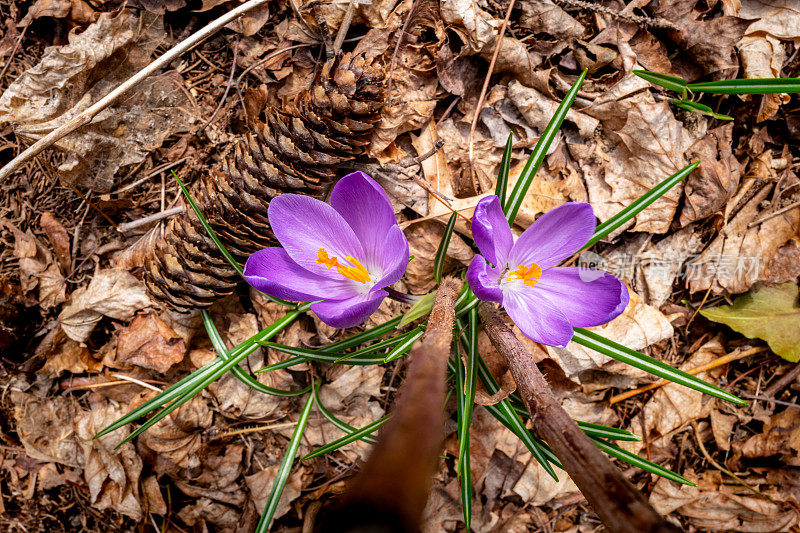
554 236
365 206
537 317
394 257
273 272
482 280
586 297
350 312
303 225
491 232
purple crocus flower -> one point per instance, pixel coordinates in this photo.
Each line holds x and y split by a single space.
543 300
344 253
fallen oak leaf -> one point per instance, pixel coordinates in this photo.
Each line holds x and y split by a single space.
770 313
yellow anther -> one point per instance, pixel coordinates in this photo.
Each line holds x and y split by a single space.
356 273
529 274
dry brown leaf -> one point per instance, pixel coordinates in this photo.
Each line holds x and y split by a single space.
112 475
412 99
638 327
710 43
644 144
153 499
70 78
59 238
261 483
38 269
544 16
780 436
673 406
76 11
716 179
45 428
780 18
712 506
423 242
763 57
739 256
722 429
114 293
206 510
538 109
785 265
150 343
175 440
68 355
476 26
217 477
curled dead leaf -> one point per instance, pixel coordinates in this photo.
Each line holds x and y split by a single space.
150 343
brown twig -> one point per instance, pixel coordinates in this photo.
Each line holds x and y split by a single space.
391 490
225 94
725 359
620 506
488 77
397 47
782 382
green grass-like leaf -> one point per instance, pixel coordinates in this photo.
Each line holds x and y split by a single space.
638 205
441 252
673 83
344 426
540 151
505 167
648 364
748 86
633 459
405 346
347 439
420 309
697 107
286 467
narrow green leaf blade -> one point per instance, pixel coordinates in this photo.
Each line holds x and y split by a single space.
631 458
347 439
540 151
648 364
639 204
697 107
748 86
505 168
441 252
420 309
333 419
286 467
404 347
673 83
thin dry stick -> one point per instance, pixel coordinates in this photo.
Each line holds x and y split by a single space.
724 360
620 506
488 77
390 492
773 215
149 218
88 114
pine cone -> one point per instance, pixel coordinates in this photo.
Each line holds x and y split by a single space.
301 148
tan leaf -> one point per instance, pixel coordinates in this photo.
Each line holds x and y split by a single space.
780 18
114 293
44 426
712 506
261 483
780 436
38 269
70 78
722 429
716 179
112 474
59 238
476 26
150 343
423 242
734 261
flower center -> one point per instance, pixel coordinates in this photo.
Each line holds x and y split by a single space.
356 273
529 274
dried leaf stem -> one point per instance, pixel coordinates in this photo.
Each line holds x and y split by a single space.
392 488
86 116
620 506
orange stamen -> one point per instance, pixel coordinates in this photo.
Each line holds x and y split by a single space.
528 274
356 273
